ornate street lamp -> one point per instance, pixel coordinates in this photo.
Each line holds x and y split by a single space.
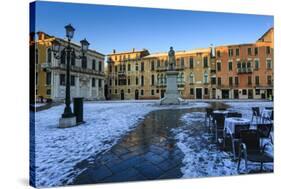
68 117
69 31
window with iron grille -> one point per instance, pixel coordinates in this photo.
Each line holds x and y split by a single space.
62 79
72 80
93 82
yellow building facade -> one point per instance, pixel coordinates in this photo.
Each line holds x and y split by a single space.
87 74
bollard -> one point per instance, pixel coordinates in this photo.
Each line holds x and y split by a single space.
78 109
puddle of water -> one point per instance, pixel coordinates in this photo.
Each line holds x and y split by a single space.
150 151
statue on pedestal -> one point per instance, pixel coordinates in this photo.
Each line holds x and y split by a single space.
171 59
172 96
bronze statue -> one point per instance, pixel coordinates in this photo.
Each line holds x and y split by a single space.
172 59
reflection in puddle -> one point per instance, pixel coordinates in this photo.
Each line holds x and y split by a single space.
148 152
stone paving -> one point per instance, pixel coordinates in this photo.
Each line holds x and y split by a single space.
147 153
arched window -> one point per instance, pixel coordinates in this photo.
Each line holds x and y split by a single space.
142 66
166 63
206 77
142 80
191 78
62 60
84 62
158 79
152 80
152 65
137 81
49 55
73 60
180 77
36 56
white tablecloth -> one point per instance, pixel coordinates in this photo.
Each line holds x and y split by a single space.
220 112
266 113
229 123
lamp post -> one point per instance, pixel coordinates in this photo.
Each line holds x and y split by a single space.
67 118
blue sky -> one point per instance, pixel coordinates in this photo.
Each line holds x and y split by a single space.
124 28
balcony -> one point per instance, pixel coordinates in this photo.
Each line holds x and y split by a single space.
79 70
161 85
181 84
161 69
164 68
121 73
244 70
213 70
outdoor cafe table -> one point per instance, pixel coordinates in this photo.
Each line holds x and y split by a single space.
230 122
266 113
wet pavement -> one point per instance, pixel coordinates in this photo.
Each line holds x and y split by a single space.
147 153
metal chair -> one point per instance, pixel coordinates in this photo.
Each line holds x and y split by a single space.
208 116
219 127
264 130
256 114
251 150
235 137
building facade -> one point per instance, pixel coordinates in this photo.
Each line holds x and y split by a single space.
87 75
243 71
125 77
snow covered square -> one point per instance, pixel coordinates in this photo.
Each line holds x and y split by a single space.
134 141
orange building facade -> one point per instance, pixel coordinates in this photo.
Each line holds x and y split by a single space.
245 71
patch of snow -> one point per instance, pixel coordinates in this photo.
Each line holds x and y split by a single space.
57 151
201 156
246 107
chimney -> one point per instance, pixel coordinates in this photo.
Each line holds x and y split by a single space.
114 51
213 54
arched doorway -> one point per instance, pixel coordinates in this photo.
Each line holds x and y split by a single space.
162 93
136 94
122 94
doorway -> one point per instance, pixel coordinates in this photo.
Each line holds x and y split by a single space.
198 93
225 94
122 94
162 93
136 94
250 94
236 94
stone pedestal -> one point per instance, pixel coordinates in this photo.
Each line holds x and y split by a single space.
67 122
172 94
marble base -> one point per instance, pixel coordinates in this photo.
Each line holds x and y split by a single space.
67 122
172 96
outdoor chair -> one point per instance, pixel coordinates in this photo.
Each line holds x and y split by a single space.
270 119
219 127
250 149
234 114
264 130
208 117
235 137
256 114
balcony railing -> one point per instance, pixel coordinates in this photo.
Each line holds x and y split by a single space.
79 69
164 68
244 70
121 73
